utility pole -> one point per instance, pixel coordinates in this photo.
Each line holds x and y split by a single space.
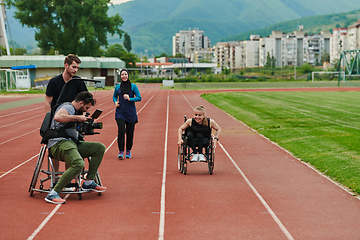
3 29
294 57
147 66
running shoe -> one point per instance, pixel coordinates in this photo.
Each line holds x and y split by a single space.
93 187
121 155
128 154
54 198
195 157
202 158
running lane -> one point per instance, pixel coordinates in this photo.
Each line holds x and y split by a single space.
257 190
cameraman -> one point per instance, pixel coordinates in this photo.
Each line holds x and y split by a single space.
71 149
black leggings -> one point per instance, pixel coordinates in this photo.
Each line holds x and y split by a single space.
128 128
199 141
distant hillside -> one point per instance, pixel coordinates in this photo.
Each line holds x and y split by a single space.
152 23
312 25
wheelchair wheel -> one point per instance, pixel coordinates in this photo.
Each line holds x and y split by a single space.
211 160
185 157
184 168
180 160
37 169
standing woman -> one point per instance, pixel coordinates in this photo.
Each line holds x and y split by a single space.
125 96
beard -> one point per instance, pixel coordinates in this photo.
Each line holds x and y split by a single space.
69 73
81 110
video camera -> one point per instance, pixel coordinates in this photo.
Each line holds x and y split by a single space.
87 128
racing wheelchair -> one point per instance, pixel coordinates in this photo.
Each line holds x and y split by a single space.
185 156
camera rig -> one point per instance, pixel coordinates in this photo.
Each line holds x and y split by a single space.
87 128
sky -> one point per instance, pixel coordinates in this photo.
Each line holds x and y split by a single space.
119 1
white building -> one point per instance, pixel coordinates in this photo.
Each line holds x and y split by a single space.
353 36
224 54
186 42
316 46
338 43
202 55
252 51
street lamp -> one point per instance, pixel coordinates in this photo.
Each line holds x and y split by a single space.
294 59
141 64
147 66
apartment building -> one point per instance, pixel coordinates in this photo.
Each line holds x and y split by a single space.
224 54
353 36
186 42
240 55
316 46
338 43
267 46
203 55
252 51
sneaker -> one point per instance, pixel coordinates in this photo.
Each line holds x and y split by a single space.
195 157
121 155
128 154
68 187
54 198
93 187
202 158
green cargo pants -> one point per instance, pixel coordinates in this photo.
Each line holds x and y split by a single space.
74 155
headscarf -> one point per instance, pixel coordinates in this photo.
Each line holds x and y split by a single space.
125 87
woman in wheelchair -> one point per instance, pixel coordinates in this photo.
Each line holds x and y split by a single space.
198 131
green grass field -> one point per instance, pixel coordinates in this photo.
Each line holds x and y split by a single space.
321 128
249 85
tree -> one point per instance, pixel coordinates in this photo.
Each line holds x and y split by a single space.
118 51
306 68
78 27
268 60
273 62
180 55
325 57
20 51
127 42
115 50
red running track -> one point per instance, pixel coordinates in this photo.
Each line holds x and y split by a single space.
257 190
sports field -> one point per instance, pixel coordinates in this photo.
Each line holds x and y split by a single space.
261 85
321 128
258 190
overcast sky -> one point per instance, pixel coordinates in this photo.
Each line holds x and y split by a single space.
119 1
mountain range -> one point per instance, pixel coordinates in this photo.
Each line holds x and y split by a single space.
152 23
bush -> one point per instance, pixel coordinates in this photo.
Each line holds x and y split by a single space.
306 68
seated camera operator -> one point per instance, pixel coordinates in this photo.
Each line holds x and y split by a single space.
72 149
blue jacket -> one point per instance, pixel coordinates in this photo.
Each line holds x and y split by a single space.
127 109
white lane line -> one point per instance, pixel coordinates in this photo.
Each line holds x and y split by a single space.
10 114
270 211
18 166
47 219
20 121
19 136
146 103
162 203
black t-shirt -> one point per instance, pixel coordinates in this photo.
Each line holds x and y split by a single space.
198 128
57 83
